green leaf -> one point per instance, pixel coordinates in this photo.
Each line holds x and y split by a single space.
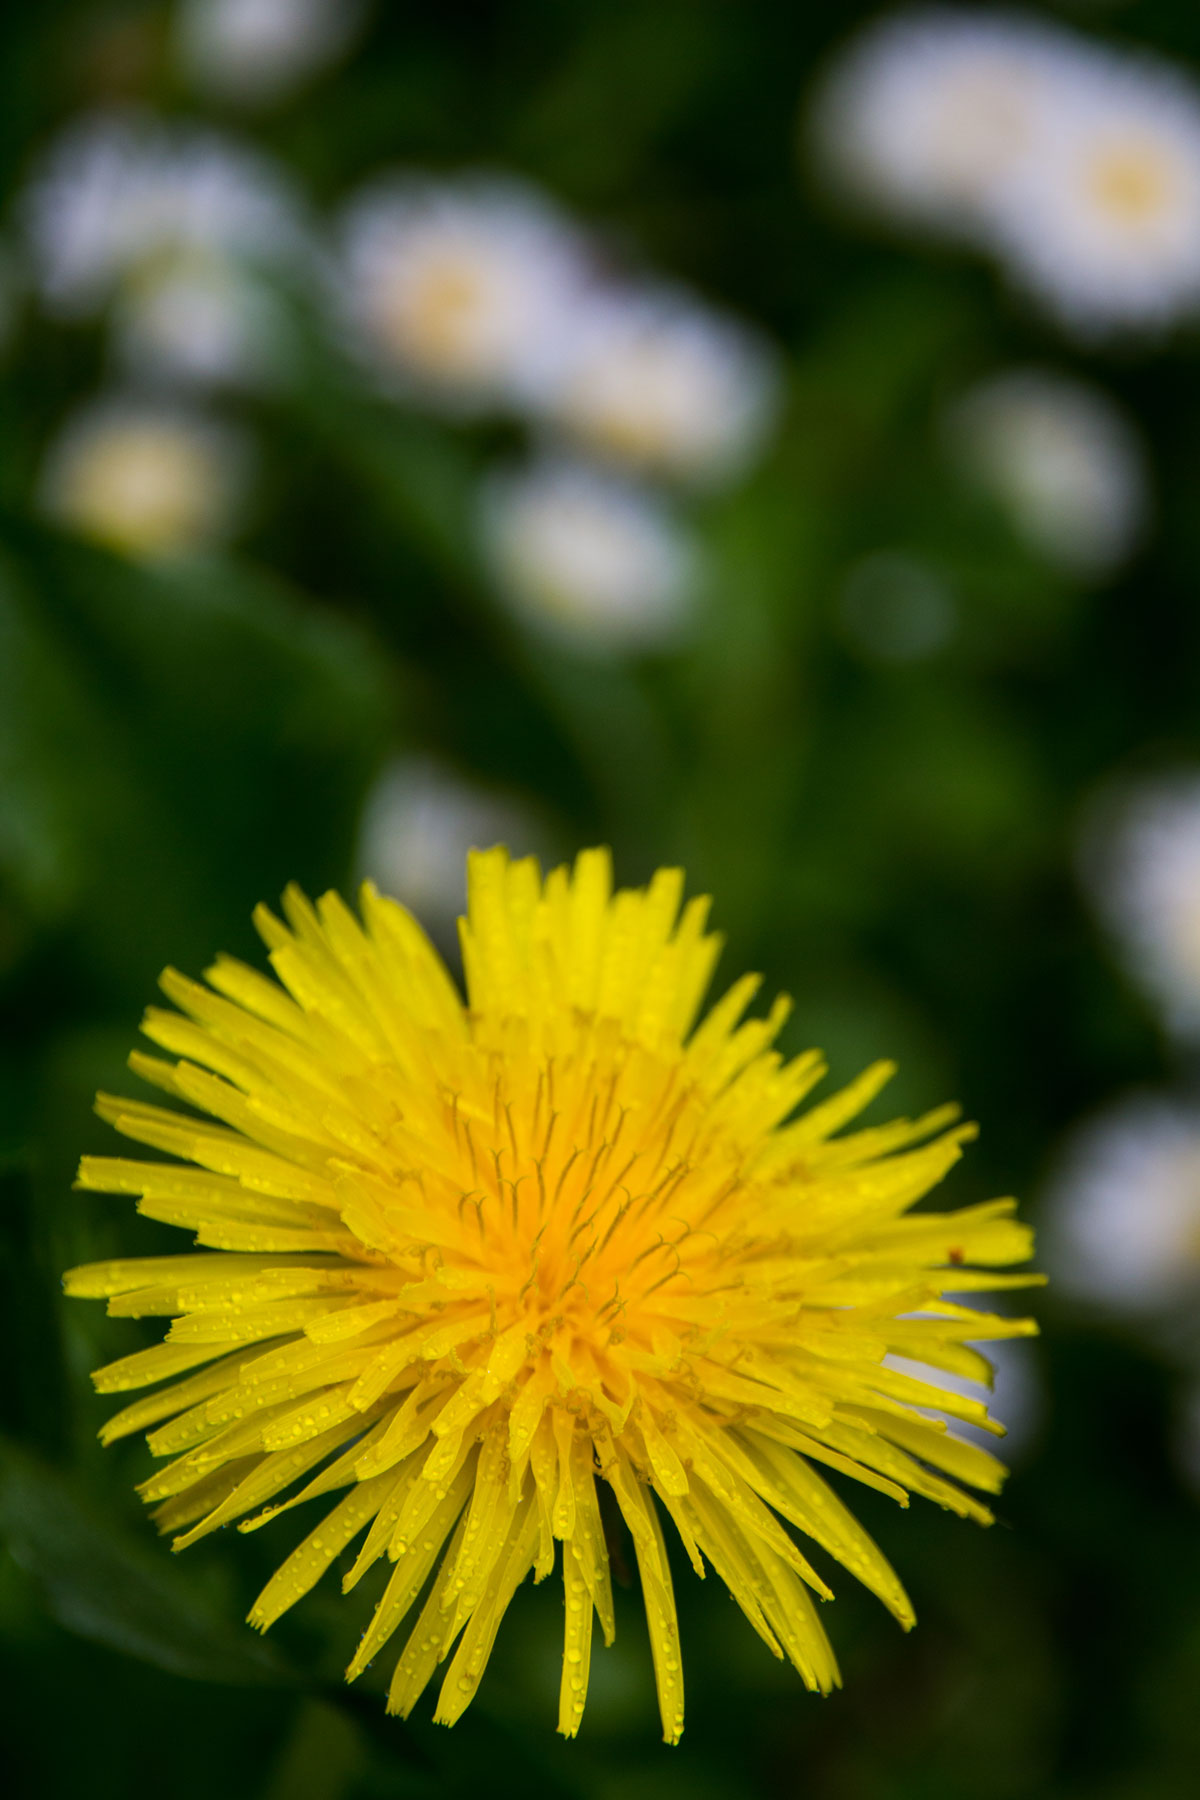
97 1582
175 745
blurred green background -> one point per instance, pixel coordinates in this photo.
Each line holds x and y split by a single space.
889 839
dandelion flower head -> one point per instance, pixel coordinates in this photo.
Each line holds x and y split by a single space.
468 1266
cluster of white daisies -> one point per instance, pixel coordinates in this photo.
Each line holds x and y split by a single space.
1075 165
479 294
184 242
469 295
476 294
1123 1225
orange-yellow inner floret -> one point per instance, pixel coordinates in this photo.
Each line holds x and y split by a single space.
486 1256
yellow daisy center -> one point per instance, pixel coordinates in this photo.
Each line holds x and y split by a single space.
144 488
1133 182
434 316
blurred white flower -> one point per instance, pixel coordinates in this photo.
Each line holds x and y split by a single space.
1103 226
927 112
1140 862
419 821
1015 1394
458 287
1063 462
146 479
651 378
203 319
253 52
1078 165
1122 1220
588 557
177 226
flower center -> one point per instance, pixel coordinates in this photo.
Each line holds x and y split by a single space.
436 319
578 1257
1131 182
145 491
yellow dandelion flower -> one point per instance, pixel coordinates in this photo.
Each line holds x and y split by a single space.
466 1264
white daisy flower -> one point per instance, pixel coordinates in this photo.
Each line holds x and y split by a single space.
927 112
176 226
1140 862
254 52
89 212
1103 226
1064 463
588 557
653 379
1014 1393
1123 1212
202 319
146 479
457 287
419 821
